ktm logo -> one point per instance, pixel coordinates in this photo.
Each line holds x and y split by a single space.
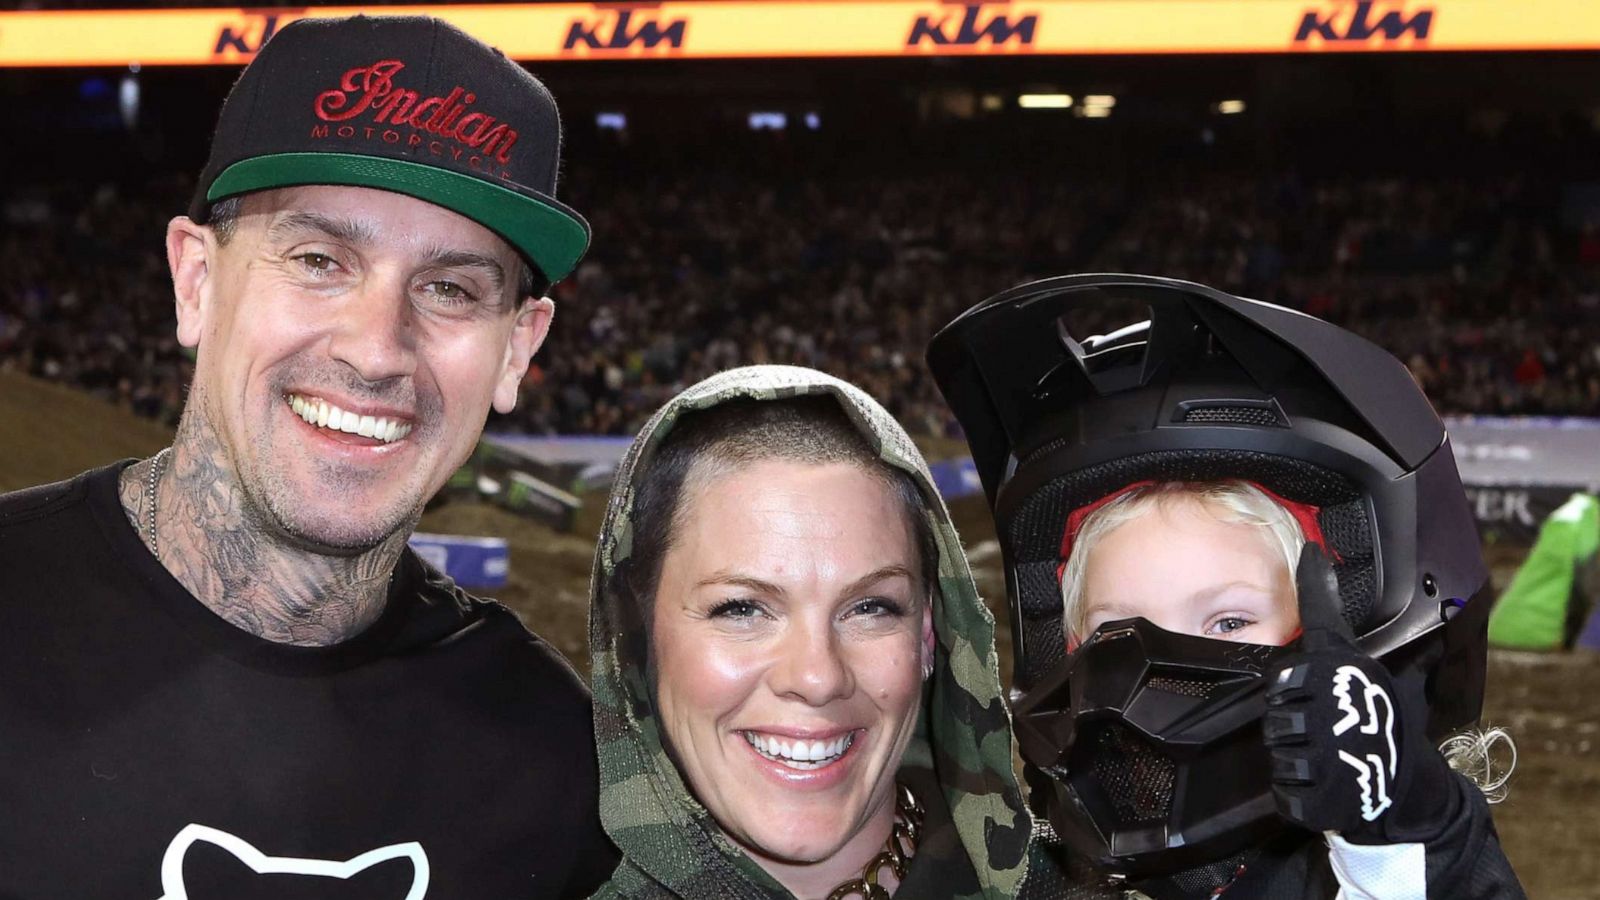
1355 24
999 28
249 38
618 32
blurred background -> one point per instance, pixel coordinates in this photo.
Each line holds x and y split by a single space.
1439 196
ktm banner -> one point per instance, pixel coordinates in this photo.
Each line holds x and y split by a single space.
816 28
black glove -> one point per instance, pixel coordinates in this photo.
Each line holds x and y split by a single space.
1343 758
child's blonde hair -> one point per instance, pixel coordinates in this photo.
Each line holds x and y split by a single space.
1233 501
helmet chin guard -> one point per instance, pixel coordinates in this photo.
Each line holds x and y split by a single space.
1145 740
1072 388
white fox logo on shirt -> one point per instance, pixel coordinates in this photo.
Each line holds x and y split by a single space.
173 888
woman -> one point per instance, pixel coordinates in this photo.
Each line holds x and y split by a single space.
796 690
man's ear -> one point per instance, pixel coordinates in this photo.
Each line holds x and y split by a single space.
190 249
527 334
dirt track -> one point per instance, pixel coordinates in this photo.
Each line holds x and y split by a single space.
1551 703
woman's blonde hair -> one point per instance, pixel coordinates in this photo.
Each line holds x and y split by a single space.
1233 501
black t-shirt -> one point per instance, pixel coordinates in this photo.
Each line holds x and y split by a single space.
150 750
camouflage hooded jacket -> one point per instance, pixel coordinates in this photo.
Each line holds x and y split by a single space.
670 845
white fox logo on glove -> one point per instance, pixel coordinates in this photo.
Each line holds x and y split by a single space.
1372 713
172 878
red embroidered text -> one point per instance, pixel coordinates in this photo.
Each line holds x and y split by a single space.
372 90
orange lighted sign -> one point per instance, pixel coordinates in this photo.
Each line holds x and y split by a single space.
818 28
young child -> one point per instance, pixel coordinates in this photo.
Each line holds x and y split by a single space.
1247 594
1218 560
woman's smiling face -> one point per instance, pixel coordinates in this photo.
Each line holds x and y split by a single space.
789 629
1188 571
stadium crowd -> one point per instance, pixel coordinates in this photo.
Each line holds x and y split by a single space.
1494 306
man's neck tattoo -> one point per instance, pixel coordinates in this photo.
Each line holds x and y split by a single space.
194 516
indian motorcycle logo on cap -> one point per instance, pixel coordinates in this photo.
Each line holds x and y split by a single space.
368 98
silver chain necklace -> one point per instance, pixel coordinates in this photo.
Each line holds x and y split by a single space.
158 467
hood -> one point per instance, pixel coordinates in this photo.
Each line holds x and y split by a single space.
670 844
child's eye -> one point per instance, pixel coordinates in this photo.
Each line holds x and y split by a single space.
1228 625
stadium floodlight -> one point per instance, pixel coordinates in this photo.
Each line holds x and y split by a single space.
1044 101
1096 106
771 121
1230 107
611 121
128 100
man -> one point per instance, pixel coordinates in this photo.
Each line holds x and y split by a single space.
222 672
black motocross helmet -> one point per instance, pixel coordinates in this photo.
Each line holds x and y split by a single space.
1143 747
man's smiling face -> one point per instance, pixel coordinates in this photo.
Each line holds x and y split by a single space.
350 343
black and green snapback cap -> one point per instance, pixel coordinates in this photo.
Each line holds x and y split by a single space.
408 104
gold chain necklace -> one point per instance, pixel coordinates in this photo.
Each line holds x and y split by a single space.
896 853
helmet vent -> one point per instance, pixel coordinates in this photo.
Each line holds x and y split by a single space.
1254 416
1212 879
1186 687
1137 780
